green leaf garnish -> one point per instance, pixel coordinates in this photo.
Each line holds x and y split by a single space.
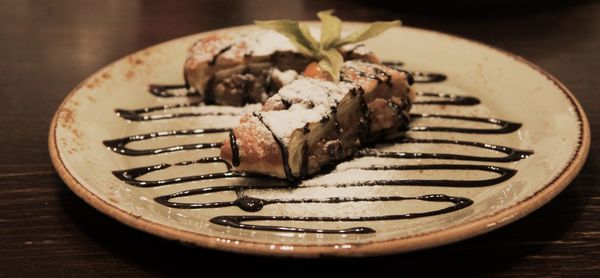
326 50
332 62
314 45
331 28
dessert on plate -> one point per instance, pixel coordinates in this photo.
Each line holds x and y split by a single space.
322 100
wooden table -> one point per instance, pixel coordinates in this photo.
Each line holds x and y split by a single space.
48 47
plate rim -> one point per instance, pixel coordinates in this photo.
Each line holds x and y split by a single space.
449 235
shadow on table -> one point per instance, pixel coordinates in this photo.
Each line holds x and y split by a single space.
496 251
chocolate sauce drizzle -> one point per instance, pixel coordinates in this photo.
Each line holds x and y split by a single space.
505 126
419 76
235 150
511 154
169 91
282 147
214 59
427 77
251 204
138 115
364 130
237 221
130 176
446 99
119 145
204 160
304 162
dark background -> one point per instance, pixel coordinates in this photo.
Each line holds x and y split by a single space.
48 47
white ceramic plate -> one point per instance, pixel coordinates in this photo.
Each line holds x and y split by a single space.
554 128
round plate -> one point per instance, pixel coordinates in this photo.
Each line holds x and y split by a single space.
520 107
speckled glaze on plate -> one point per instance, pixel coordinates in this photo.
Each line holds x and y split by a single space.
554 128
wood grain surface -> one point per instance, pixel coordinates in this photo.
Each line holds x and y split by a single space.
48 47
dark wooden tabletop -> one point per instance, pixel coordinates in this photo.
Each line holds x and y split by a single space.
48 47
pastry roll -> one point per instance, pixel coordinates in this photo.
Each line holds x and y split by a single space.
311 123
235 70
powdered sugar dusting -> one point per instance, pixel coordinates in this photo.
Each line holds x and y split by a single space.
258 138
216 109
350 172
285 77
256 43
207 47
349 177
359 49
310 101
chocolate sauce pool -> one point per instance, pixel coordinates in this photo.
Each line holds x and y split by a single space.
134 176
